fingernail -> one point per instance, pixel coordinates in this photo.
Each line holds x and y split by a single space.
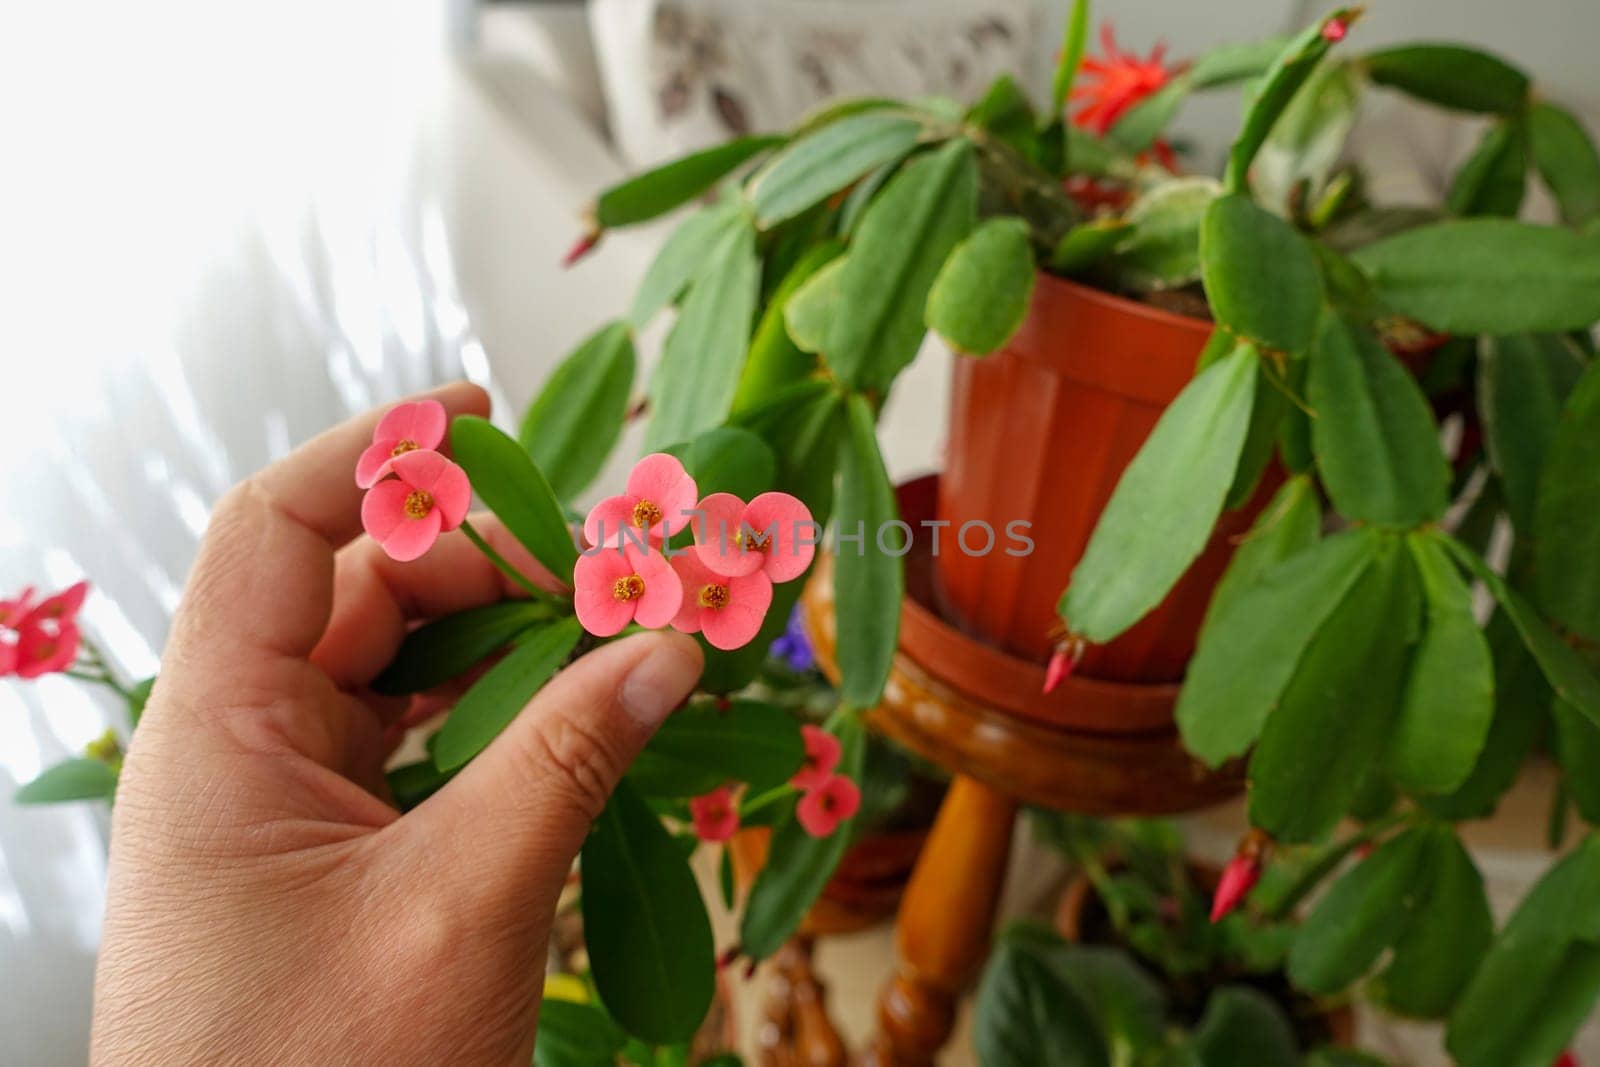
659 682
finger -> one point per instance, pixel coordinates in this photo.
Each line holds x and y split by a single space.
513 820
375 597
263 579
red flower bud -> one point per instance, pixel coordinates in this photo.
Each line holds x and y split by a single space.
1063 661
1335 30
1566 1059
580 248
1239 876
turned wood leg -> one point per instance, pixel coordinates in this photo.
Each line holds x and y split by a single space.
797 1031
946 916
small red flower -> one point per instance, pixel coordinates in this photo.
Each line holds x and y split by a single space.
46 650
716 816
615 586
774 534
1239 876
46 635
13 611
656 503
415 426
822 756
728 611
1335 30
1120 81
822 809
406 514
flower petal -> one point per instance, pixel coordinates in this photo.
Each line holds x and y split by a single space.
62 607
593 579
693 576
384 508
663 590
374 462
422 422
661 479
613 516
413 537
40 651
717 536
737 624
822 756
792 530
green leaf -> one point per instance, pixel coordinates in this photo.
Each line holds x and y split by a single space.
1255 637
1260 275
1275 399
798 865
810 311
448 647
1563 668
1290 523
1494 179
1086 244
73 779
1026 1014
1128 1006
413 783
576 1035
1243 1025
1446 938
982 292
1139 126
138 697
644 924
1451 76
1160 249
1523 381
1541 976
1074 39
1567 161
572 424
671 185
750 742
1163 509
861 197
683 257
1004 111
868 582
728 459
1376 443
821 163
1335 716
904 237
692 387
1566 533
1309 139
1521 697
1576 746
507 480
1491 276
1449 696
500 695
775 360
1363 912
1277 88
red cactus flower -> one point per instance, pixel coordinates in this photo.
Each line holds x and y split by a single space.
1119 81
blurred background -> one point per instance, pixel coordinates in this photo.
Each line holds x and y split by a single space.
225 226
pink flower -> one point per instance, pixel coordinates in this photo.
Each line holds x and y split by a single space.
62 608
659 499
822 756
716 816
415 426
13 611
735 538
616 586
46 649
407 513
729 611
1239 876
822 809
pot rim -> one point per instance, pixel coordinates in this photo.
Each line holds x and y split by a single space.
1069 289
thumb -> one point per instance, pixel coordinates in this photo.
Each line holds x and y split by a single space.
520 811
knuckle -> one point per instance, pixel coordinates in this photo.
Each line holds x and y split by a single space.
577 758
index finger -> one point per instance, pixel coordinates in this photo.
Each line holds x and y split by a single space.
263 579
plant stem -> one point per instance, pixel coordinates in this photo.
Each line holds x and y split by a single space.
104 676
767 799
500 562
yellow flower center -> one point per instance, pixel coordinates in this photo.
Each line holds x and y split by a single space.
407 445
629 588
714 597
419 503
751 541
646 513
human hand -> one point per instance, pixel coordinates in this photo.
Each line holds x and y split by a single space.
265 903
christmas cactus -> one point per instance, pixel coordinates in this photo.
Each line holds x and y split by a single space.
1343 654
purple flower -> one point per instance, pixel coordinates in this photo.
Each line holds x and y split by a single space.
793 646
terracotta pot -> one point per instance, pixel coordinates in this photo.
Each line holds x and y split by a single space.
1041 431
1080 918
